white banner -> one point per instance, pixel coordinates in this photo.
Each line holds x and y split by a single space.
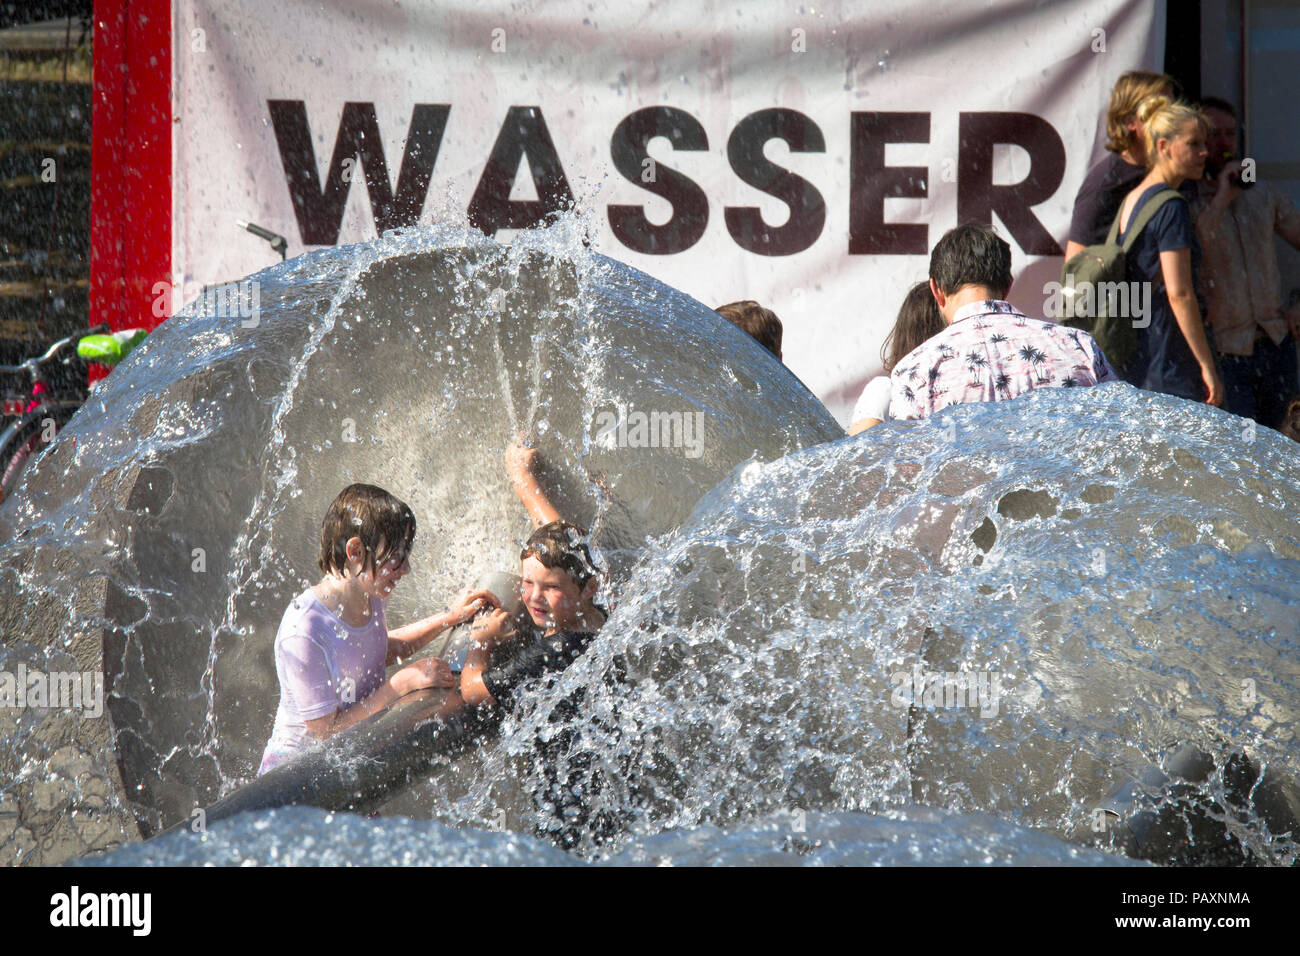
804 156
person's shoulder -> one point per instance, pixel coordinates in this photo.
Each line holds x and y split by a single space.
1080 338
302 641
878 385
1011 324
934 349
1096 175
908 370
872 391
1176 209
301 606
1111 173
305 619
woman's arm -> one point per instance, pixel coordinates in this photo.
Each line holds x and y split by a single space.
1176 267
405 641
521 466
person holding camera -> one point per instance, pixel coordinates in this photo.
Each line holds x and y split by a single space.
1236 220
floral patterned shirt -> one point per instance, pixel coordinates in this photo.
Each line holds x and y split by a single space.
990 352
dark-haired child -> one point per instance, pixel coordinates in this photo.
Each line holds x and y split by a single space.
333 646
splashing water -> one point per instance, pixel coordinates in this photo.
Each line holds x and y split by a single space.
1013 609
1003 614
166 529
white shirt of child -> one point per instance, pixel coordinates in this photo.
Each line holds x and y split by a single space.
324 666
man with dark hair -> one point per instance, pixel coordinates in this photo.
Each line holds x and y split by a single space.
990 351
1236 219
761 324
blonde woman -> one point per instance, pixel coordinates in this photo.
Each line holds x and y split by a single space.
1173 354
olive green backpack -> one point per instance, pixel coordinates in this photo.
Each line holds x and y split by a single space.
1087 270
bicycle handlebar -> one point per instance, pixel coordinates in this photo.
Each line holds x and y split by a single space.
31 364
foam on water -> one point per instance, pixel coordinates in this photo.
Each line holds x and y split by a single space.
913 836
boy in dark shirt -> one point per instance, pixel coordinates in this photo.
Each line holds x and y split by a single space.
558 582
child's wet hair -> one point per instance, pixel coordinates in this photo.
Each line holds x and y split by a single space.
379 519
562 545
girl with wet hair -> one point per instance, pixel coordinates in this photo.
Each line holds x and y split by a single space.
333 646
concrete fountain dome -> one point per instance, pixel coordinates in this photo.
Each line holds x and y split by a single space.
162 535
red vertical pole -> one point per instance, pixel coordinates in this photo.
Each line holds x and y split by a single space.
131 162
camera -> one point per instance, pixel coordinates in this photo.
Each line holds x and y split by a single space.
1235 176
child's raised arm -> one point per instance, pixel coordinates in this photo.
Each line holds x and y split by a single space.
521 465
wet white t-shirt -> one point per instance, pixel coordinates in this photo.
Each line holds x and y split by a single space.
323 665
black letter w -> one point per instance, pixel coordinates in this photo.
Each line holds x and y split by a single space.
320 211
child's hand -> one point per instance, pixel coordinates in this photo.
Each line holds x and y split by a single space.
521 458
430 672
493 628
470 604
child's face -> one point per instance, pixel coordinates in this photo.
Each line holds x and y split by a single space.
552 597
380 580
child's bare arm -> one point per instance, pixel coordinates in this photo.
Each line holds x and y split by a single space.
405 641
521 466
427 673
489 631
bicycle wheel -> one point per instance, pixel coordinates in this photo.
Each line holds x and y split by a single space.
24 440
